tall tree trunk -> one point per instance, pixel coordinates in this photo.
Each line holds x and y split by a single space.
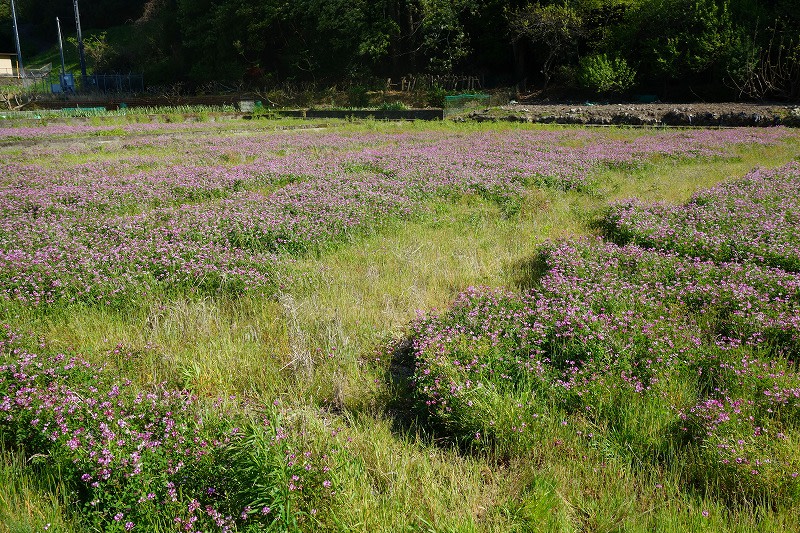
519 49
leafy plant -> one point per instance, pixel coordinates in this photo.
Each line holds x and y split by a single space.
393 106
599 73
154 458
357 96
557 27
435 96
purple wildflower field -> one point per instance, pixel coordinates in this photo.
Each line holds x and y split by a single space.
658 355
703 351
208 212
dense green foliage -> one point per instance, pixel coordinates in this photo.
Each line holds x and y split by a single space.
602 74
713 48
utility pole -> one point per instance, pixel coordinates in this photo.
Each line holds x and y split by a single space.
63 67
80 44
20 68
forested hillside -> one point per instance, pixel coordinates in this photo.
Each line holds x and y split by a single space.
706 48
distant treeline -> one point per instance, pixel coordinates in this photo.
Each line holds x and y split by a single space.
670 48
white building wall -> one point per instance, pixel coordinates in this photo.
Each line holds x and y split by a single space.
6 66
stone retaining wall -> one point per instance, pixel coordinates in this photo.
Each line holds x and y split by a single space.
705 115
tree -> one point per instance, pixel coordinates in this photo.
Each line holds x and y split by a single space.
682 38
767 71
605 75
6 35
557 26
40 15
444 42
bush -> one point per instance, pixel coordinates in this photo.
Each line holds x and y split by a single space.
357 96
393 106
605 75
436 96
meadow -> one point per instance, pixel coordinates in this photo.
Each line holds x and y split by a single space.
264 326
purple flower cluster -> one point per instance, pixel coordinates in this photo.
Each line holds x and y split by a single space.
698 329
609 325
157 458
753 219
46 131
742 448
601 313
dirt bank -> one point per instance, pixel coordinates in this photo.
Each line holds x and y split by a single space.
655 114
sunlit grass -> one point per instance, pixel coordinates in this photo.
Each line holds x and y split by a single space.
31 499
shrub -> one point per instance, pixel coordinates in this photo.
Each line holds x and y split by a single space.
357 96
599 73
435 96
393 106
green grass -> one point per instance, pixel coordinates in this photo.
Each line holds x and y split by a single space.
318 347
31 500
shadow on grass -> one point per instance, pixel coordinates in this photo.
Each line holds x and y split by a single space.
527 273
401 404
410 418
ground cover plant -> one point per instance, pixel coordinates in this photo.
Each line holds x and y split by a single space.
753 219
196 321
702 350
155 459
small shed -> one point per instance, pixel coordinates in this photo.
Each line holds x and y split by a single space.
7 65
